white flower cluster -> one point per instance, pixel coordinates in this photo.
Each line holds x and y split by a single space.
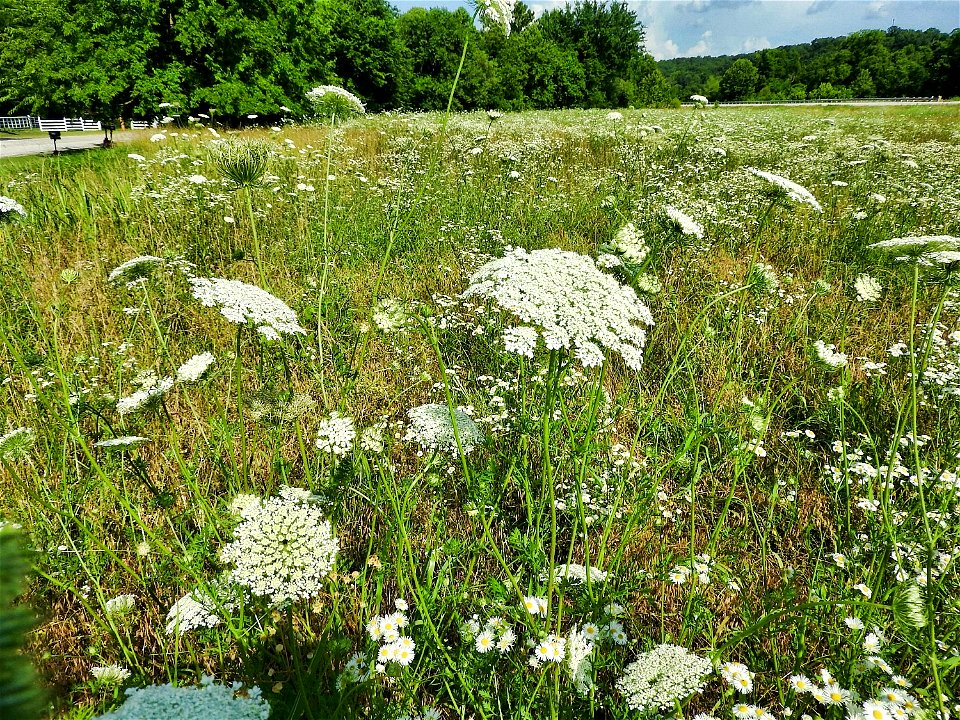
372 439
15 444
535 605
867 288
576 574
357 669
660 677
764 277
738 676
195 368
496 634
240 302
499 12
579 649
701 567
570 302
211 700
796 192
395 646
120 605
283 548
552 648
194 610
328 99
699 99
390 315
135 269
109 674
9 206
827 356
631 246
687 225
335 434
432 428
917 244
122 443
145 397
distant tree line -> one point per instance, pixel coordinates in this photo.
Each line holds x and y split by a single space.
870 63
233 58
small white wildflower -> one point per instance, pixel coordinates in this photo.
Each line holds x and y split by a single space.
687 225
432 428
335 434
120 605
109 674
867 288
660 677
195 368
796 192
240 302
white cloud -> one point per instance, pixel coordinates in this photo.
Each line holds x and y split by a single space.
875 10
819 6
752 44
702 46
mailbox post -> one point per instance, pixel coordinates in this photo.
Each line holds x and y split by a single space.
54 135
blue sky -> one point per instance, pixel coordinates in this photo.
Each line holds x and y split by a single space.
682 28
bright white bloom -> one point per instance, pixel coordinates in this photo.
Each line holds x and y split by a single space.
335 434
579 647
330 99
135 269
801 684
240 302
535 605
485 641
630 244
828 357
195 368
873 710
109 674
918 244
853 623
569 300
864 590
834 694
498 12
210 700
738 676
614 116
9 206
687 225
660 677
507 640
575 574
432 429
120 605
520 340
145 397
867 288
391 315
871 644
616 632
136 156
550 649
796 192
372 441
283 549
122 443
158 137
194 610
197 179
700 99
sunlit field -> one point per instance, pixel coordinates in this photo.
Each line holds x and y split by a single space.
549 415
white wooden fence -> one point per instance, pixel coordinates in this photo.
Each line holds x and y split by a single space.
27 122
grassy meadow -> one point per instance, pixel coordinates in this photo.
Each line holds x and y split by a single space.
433 459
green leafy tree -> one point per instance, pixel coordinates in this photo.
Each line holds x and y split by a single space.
739 81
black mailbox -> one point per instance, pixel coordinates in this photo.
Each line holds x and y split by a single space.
54 135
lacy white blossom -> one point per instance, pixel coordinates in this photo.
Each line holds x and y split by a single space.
827 356
569 301
211 701
579 647
145 397
109 674
194 610
283 548
630 244
15 444
499 12
335 434
240 303
867 288
688 226
659 677
795 192
122 443
432 428
195 368
372 440
576 574
333 100
700 99
391 315
120 605
135 269
918 244
9 206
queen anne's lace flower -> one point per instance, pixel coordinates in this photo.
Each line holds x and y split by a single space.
569 301
687 225
576 574
135 269
867 288
9 207
120 605
796 192
433 430
194 610
630 244
15 444
828 357
330 99
283 548
145 397
240 302
122 443
210 700
659 677
195 368
335 434
499 12
579 648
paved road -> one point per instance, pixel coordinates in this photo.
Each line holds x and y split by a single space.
16 147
